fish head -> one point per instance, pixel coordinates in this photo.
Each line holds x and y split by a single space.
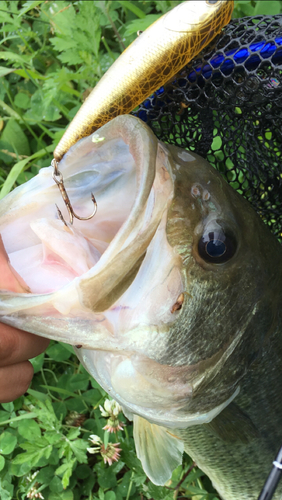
200 307
166 290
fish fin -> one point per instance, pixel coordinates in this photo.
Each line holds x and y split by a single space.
233 425
159 450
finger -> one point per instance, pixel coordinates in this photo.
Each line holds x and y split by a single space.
17 346
15 380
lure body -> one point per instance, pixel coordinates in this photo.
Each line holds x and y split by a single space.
147 64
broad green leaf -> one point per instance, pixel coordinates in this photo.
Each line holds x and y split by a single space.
267 7
79 448
76 404
31 457
83 471
19 470
45 474
107 478
64 467
65 495
38 443
158 492
29 429
140 24
8 407
54 457
243 8
79 381
13 57
95 385
41 108
14 134
110 495
28 6
5 71
7 443
129 457
124 486
92 397
131 6
88 485
60 409
67 347
53 437
101 494
5 494
37 362
4 415
66 471
22 100
58 352
2 462
56 485
73 434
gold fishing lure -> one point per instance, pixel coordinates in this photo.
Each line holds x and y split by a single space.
148 63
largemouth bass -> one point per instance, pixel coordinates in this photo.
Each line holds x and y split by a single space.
149 62
173 290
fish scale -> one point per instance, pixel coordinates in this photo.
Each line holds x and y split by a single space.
238 469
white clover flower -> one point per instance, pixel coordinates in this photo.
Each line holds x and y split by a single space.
34 493
94 439
110 453
110 411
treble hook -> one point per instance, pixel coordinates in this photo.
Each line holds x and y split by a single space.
61 186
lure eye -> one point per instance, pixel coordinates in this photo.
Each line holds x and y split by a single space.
217 246
211 2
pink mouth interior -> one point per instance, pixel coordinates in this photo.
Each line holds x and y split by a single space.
38 253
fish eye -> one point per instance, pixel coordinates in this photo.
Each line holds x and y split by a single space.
211 2
217 246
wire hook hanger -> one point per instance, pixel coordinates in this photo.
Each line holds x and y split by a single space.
58 178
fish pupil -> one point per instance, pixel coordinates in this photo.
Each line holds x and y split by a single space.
215 248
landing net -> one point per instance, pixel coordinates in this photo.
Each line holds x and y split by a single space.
226 105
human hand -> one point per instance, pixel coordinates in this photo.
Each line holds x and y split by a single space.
16 372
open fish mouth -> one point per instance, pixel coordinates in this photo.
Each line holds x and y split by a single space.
112 285
99 258
108 284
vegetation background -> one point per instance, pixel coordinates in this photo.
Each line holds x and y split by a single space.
52 54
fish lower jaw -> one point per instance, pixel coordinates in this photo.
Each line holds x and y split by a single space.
158 393
172 420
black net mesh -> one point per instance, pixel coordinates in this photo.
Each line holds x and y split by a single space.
226 105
